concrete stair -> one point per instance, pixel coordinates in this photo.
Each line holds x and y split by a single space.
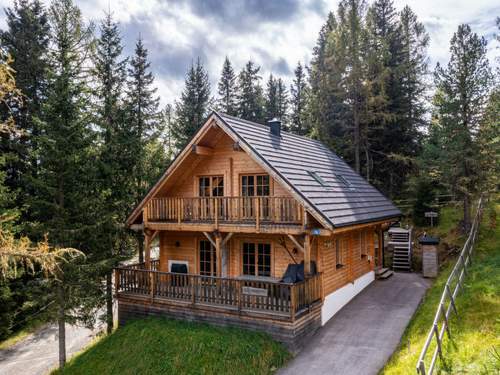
383 273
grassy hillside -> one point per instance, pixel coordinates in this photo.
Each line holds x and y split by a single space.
161 346
475 344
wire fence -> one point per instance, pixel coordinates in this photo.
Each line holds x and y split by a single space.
441 324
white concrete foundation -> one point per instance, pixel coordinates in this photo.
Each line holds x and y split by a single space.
338 299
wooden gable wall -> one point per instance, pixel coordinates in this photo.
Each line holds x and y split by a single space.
224 161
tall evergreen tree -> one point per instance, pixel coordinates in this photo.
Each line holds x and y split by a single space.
227 89
26 41
327 107
250 96
64 185
299 91
282 102
192 109
271 99
142 119
460 101
114 180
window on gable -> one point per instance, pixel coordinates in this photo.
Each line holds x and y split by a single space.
318 178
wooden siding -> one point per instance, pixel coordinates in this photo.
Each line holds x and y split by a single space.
323 253
355 266
188 251
224 161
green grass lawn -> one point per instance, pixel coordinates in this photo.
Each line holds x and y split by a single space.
162 346
475 344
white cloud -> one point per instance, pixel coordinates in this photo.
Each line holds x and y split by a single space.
270 33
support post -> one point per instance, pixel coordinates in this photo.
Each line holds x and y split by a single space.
218 253
147 249
380 254
307 254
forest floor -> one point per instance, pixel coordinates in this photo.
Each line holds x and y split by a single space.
475 344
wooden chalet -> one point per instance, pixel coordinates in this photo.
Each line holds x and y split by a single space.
240 205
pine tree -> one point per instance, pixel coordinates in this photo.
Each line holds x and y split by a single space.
299 98
227 89
192 109
460 101
114 179
26 41
65 187
250 96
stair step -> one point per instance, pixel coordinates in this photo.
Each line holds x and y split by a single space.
386 275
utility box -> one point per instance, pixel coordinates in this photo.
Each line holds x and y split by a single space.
430 262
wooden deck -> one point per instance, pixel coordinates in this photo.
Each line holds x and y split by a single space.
276 300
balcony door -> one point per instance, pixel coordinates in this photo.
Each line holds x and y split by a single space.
210 187
208 260
255 186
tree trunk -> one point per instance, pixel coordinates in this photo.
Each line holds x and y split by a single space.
357 163
62 329
109 302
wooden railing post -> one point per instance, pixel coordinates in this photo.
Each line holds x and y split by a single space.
193 289
239 295
257 213
152 285
293 302
117 280
216 213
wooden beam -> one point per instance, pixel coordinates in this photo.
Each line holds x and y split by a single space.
218 253
202 150
296 243
227 238
209 238
361 226
147 250
307 254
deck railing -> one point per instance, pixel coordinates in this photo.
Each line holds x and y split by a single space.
259 210
447 303
241 295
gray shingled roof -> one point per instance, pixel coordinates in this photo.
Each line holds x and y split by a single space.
293 157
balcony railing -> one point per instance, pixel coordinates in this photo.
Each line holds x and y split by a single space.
258 210
233 294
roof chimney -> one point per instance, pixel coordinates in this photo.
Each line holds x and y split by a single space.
275 126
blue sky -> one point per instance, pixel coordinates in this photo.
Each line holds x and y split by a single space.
276 34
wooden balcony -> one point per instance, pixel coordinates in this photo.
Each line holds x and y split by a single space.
256 212
258 299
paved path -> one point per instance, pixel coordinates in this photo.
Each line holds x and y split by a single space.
38 353
361 337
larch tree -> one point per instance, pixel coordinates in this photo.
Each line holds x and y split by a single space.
299 92
227 89
461 96
192 108
250 94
